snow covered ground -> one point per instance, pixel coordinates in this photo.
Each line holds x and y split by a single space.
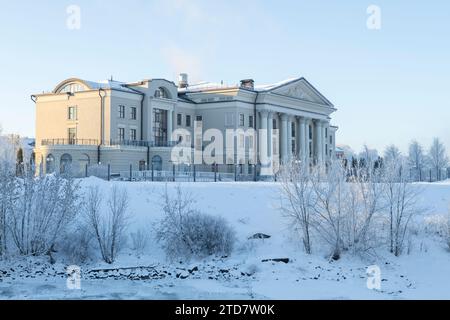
251 208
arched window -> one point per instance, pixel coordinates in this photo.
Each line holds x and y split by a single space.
65 163
50 164
72 88
162 93
157 163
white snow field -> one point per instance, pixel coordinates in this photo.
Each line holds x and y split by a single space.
421 273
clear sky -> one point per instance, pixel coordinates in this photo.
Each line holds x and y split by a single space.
389 85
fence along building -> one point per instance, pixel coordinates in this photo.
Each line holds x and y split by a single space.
82 123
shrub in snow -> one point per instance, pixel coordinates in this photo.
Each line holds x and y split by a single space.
298 199
401 203
186 233
41 213
139 241
107 226
8 194
77 245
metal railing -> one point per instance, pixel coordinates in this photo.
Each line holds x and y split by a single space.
64 142
94 142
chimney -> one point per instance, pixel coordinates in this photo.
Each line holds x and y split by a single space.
248 84
183 80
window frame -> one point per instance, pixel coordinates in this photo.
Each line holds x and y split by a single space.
133 113
121 111
121 133
75 113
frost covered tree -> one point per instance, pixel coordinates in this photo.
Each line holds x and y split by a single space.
438 157
8 194
331 193
416 158
108 226
42 211
392 154
298 199
401 203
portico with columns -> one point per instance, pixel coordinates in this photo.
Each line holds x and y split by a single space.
303 123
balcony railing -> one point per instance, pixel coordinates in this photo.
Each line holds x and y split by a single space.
94 142
66 142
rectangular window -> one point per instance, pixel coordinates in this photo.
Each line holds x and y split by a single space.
326 132
121 134
179 119
250 122
326 149
274 123
188 120
241 119
133 113
72 113
293 147
310 132
229 119
160 127
72 135
293 129
133 134
331 139
121 110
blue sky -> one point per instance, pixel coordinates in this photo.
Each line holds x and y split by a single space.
390 85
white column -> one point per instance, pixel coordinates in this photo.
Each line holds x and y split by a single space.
263 146
326 140
289 138
301 139
317 142
283 138
269 134
308 150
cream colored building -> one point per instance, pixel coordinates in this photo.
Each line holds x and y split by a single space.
82 123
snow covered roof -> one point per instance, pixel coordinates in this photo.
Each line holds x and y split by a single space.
267 87
93 85
109 84
204 86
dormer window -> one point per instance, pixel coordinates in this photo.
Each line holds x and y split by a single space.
161 93
72 88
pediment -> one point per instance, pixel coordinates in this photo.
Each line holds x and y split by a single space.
303 90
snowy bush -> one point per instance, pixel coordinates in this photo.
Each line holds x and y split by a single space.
401 204
107 226
439 225
8 194
187 233
139 241
41 213
77 245
298 199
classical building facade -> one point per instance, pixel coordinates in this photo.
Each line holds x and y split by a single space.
84 123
